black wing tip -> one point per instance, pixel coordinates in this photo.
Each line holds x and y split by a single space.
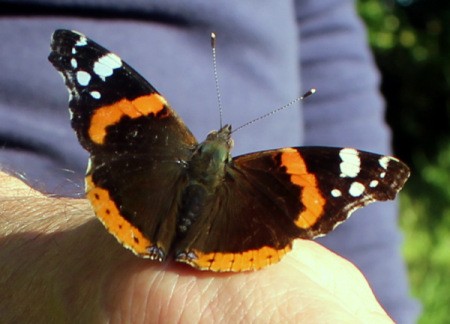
400 173
64 37
399 170
62 42
59 36
66 33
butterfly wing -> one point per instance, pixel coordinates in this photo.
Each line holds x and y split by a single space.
138 145
270 198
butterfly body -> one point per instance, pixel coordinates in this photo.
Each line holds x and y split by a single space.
162 194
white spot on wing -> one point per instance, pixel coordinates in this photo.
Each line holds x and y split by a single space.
351 163
95 94
336 193
384 161
356 189
106 64
74 63
373 183
83 78
82 41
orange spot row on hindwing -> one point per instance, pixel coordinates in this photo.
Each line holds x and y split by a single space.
108 213
245 261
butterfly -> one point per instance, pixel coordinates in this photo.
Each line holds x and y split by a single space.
162 194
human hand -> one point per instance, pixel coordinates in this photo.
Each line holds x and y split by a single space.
58 264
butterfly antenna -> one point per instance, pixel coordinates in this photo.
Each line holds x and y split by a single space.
216 76
306 95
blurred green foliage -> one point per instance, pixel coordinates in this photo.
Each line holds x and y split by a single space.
425 219
411 43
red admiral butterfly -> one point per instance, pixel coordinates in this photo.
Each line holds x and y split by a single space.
161 193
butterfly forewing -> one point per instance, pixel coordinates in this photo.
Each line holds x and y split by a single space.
138 144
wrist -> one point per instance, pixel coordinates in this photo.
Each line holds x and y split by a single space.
52 256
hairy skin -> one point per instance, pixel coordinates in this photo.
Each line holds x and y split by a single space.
59 265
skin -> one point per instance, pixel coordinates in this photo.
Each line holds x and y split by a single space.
58 264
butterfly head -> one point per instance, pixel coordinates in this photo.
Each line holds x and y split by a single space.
211 156
218 145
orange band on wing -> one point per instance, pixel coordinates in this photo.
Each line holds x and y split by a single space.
108 213
110 115
310 197
245 261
